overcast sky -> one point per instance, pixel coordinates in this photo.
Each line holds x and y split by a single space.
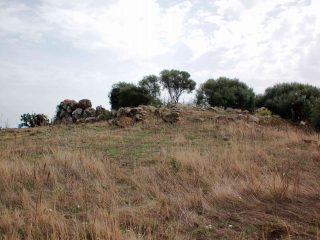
51 50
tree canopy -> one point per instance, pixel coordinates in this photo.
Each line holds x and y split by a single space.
151 85
225 92
33 120
128 95
290 100
176 83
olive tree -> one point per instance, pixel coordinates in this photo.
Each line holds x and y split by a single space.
151 85
176 83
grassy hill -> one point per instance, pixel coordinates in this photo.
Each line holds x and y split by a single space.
209 176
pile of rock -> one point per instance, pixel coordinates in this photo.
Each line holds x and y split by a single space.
138 114
127 116
71 111
169 114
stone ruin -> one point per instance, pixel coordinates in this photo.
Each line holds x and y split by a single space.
71 111
127 116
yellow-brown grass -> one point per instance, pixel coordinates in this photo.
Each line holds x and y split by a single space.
193 180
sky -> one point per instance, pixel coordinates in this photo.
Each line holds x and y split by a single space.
51 50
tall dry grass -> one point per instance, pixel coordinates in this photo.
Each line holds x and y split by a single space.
202 180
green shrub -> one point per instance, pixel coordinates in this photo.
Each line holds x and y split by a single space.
290 100
33 120
225 92
315 116
263 112
128 95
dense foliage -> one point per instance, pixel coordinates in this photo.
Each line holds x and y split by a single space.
151 85
128 95
293 101
33 120
176 83
315 115
225 92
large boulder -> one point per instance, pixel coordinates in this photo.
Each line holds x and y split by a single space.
138 114
103 114
122 112
84 104
67 120
77 114
170 115
89 112
124 122
70 111
90 120
149 108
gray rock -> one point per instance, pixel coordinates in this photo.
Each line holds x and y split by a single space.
100 110
139 117
170 117
148 108
69 109
89 112
103 114
84 104
62 113
90 120
122 112
136 110
67 120
77 114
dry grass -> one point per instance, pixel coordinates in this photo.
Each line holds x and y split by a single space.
194 180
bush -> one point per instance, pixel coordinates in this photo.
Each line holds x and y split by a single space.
315 116
263 112
290 100
33 120
128 95
225 92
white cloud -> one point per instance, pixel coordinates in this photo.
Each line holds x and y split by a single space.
263 42
137 29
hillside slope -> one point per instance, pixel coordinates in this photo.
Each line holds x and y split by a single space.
209 176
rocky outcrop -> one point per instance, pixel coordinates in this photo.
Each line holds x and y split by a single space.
124 122
169 114
71 111
84 104
138 114
127 116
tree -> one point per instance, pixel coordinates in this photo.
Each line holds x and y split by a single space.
226 92
176 82
151 85
315 115
33 120
115 93
128 95
291 100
